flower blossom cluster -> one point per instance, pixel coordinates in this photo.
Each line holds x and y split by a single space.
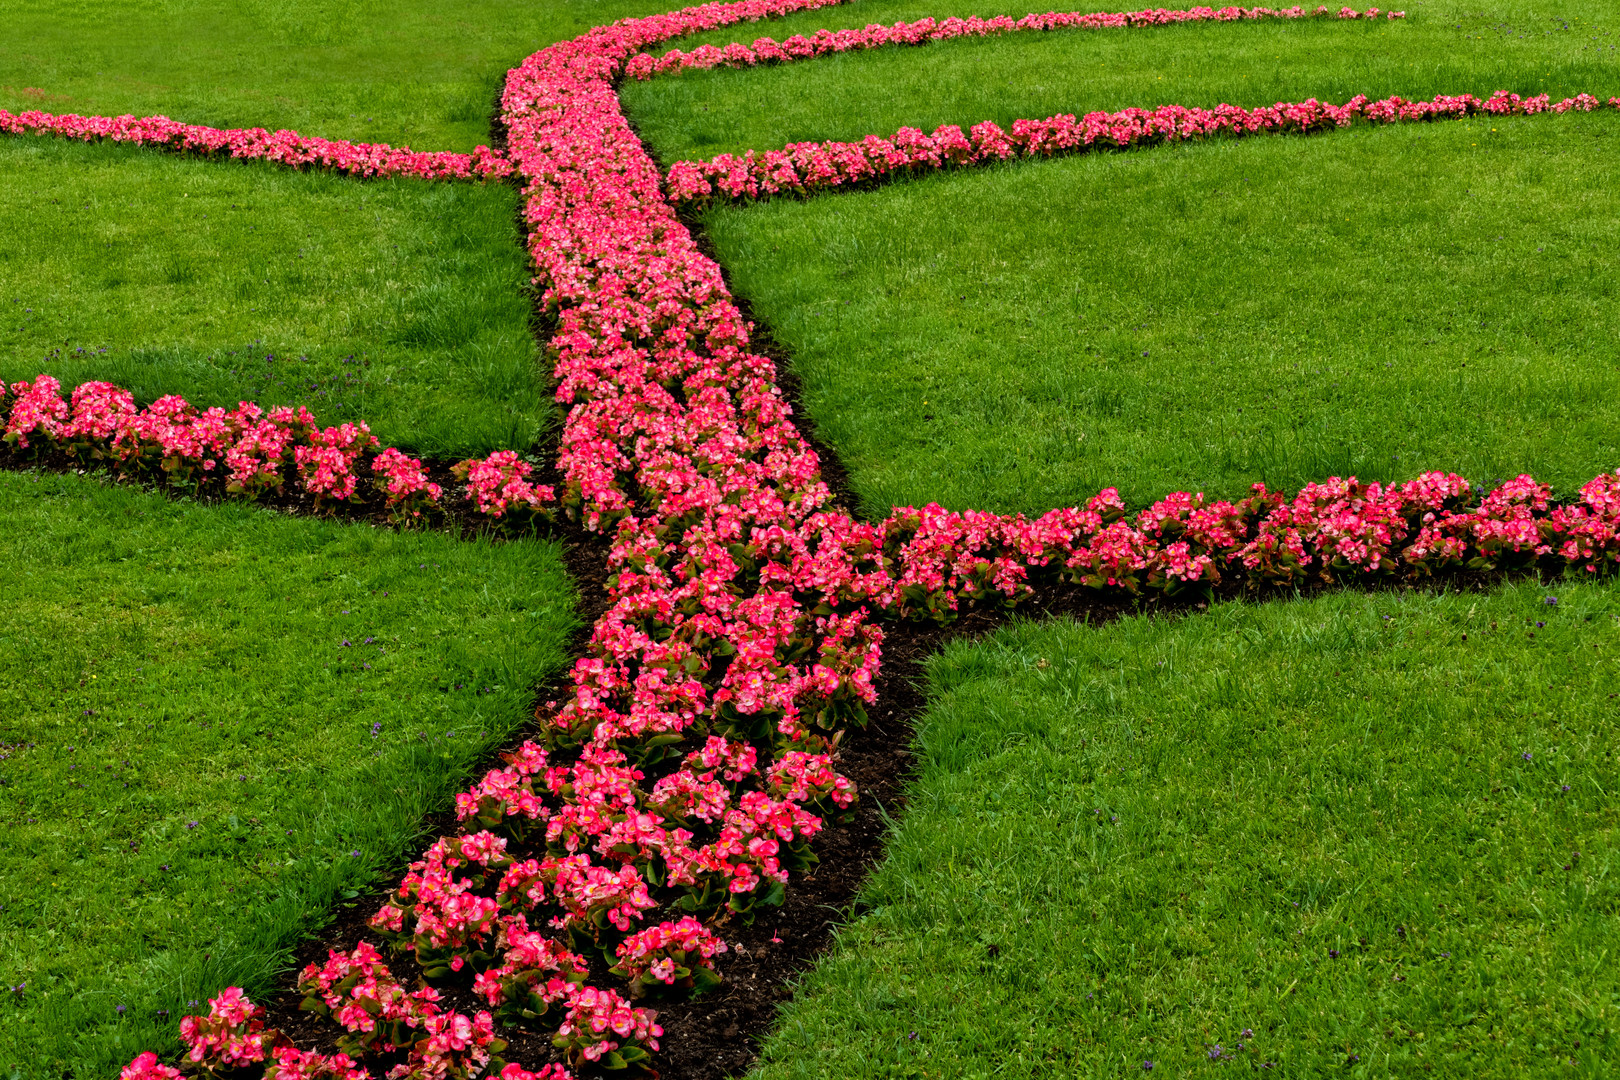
233 1036
405 484
499 484
670 953
256 144
326 464
251 451
802 168
608 840
695 754
924 31
1341 530
377 1014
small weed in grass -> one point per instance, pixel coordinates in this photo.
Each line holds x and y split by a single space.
214 721
1373 833
1373 302
399 302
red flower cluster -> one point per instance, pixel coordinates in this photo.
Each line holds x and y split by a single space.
499 484
233 1036
1337 531
670 953
697 836
809 167
406 488
257 144
798 47
249 449
376 1012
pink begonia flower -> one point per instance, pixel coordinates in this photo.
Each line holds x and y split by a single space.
37 410
148 1067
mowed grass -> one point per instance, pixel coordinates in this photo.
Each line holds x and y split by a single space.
1361 835
426 75
1442 47
214 723
399 302
1372 302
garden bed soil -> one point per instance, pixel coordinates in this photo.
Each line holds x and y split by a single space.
367 507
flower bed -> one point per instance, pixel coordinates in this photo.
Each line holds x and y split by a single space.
925 31
696 755
249 451
805 168
256 144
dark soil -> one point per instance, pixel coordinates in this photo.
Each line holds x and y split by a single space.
367 507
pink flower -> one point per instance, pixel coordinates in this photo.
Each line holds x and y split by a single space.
499 483
148 1067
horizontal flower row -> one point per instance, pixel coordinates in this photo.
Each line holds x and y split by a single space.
924 31
250 451
1338 531
256 144
802 168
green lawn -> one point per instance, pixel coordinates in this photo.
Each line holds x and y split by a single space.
1375 301
399 302
215 720
1442 47
1378 831
426 75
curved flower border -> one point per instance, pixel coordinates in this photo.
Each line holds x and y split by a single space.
740 620
257 144
806 168
927 31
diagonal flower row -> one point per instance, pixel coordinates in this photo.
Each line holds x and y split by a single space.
926 31
678 785
806 168
256 144
696 467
